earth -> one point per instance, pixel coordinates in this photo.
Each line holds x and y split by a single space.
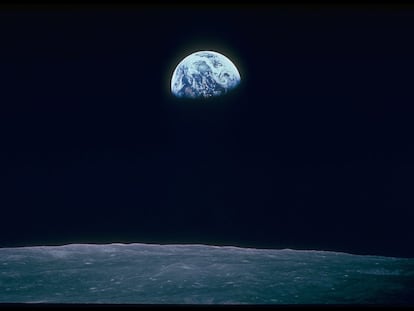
204 74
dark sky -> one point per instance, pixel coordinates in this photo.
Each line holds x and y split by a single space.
315 150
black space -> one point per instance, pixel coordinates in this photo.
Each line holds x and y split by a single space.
315 150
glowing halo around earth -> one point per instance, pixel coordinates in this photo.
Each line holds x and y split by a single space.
204 74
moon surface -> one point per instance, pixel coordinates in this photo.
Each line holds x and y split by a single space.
200 274
204 74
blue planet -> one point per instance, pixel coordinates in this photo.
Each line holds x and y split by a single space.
204 74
